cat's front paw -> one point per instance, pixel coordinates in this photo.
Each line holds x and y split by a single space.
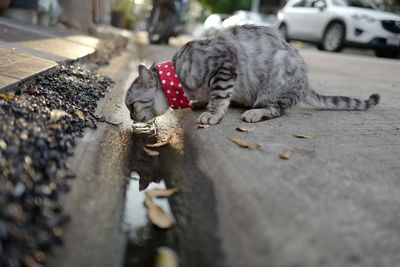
253 115
208 118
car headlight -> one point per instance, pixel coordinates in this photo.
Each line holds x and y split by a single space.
363 17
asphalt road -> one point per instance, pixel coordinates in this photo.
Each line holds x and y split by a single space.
335 202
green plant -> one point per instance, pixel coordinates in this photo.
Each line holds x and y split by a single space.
125 7
226 6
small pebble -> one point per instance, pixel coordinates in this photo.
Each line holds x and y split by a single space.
33 154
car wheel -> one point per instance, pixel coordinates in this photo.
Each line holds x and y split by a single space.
333 38
283 32
387 53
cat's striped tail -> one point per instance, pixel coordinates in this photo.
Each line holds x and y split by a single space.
340 102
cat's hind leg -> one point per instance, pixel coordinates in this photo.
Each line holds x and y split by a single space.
260 114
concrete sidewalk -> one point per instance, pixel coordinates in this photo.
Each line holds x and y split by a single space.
29 50
335 202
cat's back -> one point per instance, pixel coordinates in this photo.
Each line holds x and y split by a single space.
252 36
242 40
248 31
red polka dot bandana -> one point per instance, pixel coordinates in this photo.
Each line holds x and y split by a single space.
172 86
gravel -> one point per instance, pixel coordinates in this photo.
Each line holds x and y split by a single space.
33 151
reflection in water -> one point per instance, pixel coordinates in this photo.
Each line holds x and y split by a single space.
143 238
147 166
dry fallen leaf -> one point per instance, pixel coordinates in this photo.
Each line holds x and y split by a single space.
79 113
166 257
285 154
6 96
238 142
203 126
244 144
156 214
151 152
244 129
162 192
304 136
31 90
30 262
57 114
158 144
113 123
254 146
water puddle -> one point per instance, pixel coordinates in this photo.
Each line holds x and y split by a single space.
143 238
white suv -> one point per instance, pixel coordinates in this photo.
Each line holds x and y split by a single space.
334 24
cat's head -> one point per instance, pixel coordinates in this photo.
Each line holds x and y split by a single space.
145 98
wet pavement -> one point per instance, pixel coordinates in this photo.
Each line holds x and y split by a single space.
143 238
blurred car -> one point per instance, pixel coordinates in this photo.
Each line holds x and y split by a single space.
242 17
335 24
213 24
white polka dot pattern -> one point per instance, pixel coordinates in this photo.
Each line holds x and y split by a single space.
172 86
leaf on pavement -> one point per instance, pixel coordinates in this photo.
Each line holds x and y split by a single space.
157 215
160 144
162 192
244 129
151 152
80 114
7 96
30 262
203 126
304 136
244 144
57 114
286 154
113 123
166 257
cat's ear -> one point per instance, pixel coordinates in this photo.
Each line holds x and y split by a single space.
146 76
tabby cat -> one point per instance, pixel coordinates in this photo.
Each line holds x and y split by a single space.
249 65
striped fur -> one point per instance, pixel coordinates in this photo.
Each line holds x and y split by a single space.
340 102
249 65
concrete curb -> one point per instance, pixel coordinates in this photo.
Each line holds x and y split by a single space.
101 161
28 51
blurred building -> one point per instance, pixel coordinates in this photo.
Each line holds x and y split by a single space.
83 14
79 14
